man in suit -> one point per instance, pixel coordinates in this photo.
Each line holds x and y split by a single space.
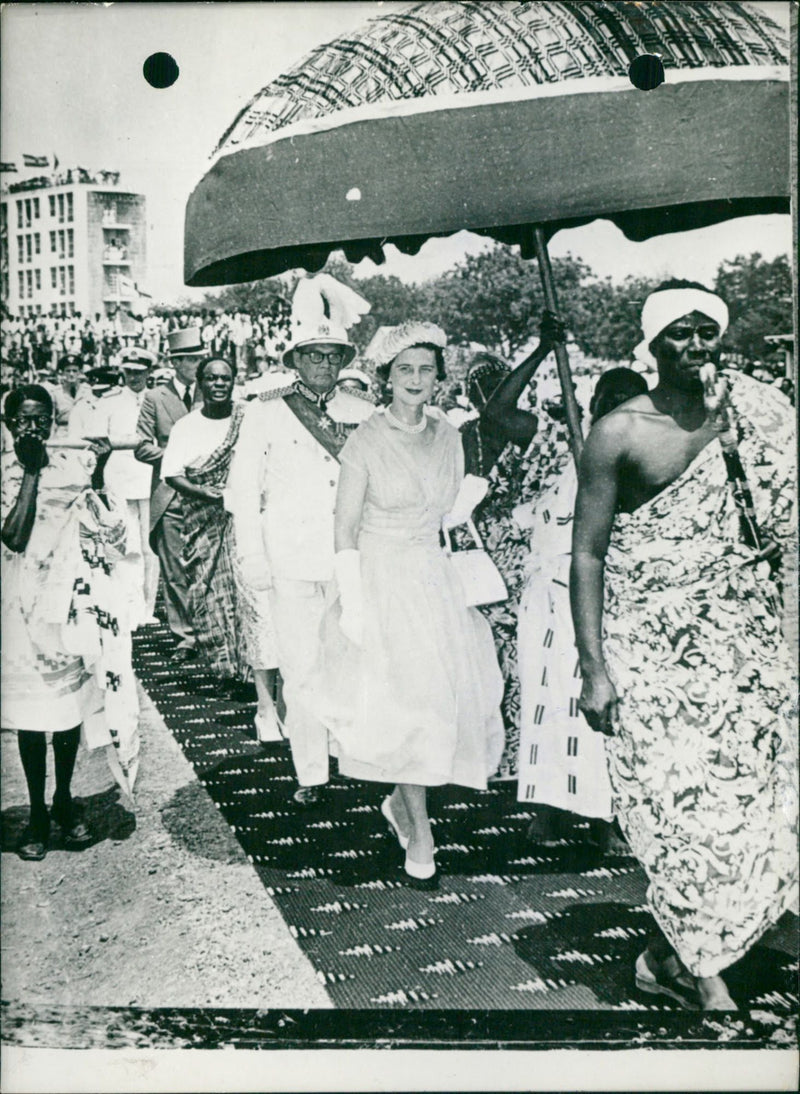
161 408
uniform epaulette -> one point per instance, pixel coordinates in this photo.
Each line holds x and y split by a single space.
276 392
367 396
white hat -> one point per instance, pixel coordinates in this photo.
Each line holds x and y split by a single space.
354 374
135 357
323 310
387 342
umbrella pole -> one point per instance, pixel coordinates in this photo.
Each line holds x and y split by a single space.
539 248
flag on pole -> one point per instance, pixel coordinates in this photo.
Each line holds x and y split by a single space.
34 161
8 167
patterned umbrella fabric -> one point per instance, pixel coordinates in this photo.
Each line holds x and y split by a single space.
493 117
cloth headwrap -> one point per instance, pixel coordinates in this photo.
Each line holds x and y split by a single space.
387 342
662 308
483 368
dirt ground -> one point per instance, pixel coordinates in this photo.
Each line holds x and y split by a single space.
164 910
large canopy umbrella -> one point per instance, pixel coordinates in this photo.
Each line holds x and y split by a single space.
511 119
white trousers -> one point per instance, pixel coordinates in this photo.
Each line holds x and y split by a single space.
138 570
297 611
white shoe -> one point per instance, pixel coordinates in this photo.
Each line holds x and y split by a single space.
421 875
386 809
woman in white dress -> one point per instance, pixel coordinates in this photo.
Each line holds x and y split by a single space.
411 688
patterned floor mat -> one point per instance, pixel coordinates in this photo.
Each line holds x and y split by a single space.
511 926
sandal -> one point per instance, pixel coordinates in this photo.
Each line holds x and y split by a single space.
32 846
679 988
74 828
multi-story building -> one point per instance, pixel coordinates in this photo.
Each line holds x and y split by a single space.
70 244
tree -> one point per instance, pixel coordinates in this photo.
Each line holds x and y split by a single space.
759 299
495 298
270 296
605 316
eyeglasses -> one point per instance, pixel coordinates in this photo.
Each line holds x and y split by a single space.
316 357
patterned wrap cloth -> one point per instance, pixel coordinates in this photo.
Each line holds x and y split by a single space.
231 620
515 479
66 657
704 762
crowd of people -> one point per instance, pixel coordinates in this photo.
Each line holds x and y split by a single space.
433 603
31 346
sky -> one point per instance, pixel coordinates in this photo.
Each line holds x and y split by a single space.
72 84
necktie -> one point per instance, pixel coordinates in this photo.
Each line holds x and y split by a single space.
187 399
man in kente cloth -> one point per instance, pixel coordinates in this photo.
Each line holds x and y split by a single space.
282 491
683 661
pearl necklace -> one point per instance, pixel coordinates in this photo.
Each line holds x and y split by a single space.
418 428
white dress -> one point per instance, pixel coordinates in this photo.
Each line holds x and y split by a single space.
419 701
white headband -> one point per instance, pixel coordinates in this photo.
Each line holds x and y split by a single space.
662 308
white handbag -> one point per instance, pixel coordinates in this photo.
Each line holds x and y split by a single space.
481 580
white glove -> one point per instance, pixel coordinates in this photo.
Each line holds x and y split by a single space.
254 571
471 493
347 568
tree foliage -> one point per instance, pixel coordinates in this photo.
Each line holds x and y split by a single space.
759 299
495 299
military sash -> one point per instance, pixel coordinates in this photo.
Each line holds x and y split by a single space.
329 433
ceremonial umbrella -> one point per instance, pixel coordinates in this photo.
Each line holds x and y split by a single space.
510 119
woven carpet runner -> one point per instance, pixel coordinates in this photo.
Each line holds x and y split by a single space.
511 926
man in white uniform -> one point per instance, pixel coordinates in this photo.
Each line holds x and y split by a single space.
282 491
131 481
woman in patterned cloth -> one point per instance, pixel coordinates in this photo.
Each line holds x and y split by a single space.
496 442
409 683
232 620
66 658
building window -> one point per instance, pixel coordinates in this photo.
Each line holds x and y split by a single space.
52 242
62 245
62 280
60 208
20 248
53 277
71 272
19 214
27 212
29 280
38 274
70 243
35 208
37 243
29 247
21 277
52 205
69 208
